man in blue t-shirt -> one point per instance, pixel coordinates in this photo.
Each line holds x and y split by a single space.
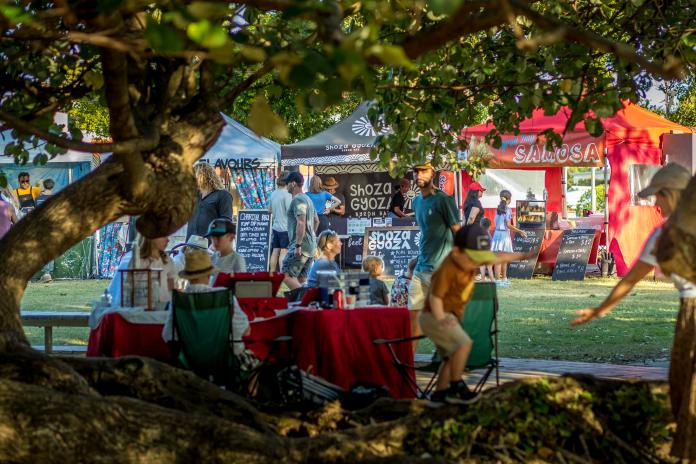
438 219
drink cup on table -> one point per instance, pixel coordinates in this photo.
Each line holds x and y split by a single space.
350 301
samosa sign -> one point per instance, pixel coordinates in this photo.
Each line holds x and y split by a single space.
527 150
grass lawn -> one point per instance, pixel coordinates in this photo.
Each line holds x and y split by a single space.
533 320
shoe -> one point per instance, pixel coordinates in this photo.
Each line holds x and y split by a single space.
460 394
46 278
439 396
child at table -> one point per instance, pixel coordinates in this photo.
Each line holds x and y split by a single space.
488 269
222 232
197 271
399 290
451 288
379 293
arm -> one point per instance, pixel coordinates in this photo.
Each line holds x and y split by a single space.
13 215
472 215
225 204
385 296
300 232
637 272
316 222
398 212
516 229
340 210
503 257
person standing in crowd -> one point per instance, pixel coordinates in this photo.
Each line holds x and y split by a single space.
329 246
26 194
473 209
502 241
213 200
379 293
279 204
666 186
8 218
487 274
302 228
397 205
437 218
222 233
323 202
47 192
330 185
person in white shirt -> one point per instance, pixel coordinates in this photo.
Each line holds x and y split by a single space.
222 232
667 186
151 255
279 204
197 271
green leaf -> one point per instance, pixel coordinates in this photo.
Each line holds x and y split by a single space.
163 37
3 180
207 34
264 121
391 54
94 79
207 10
15 14
444 7
253 53
594 126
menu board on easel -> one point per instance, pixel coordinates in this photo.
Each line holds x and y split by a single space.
395 245
573 255
254 238
524 269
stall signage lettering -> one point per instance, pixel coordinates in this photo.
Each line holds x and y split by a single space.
235 163
390 240
575 153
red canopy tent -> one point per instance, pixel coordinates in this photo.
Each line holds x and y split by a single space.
632 136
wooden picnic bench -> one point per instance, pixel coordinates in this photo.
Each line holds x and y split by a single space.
50 319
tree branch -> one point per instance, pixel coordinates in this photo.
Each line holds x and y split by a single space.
668 69
136 144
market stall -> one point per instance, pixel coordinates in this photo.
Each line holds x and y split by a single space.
247 163
628 152
343 152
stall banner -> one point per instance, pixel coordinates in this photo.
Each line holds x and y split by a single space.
367 191
395 245
445 182
578 149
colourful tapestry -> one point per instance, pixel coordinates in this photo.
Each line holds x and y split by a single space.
254 186
111 247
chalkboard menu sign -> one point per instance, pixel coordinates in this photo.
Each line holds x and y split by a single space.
254 238
524 269
573 255
353 251
395 245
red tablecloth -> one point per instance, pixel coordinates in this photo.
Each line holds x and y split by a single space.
337 344
333 344
115 337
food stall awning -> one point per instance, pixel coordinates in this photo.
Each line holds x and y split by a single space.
346 142
528 149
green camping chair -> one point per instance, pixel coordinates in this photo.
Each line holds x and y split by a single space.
203 326
481 323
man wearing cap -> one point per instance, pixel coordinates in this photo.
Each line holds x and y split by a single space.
666 186
302 227
473 209
222 232
436 215
451 288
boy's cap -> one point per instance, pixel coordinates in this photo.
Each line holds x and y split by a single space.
295 177
672 176
475 242
476 186
221 226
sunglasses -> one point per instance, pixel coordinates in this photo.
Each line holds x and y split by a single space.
23 181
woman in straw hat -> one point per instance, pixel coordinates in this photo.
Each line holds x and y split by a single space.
667 186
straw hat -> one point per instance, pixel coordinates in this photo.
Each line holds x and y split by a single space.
330 182
197 264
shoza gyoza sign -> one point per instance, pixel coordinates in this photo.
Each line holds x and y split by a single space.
524 150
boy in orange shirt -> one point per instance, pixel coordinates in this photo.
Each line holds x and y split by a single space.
451 288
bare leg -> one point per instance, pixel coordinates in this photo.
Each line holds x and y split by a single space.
291 282
458 362
497 269
443 376
283 252
274 259
415 327
503 268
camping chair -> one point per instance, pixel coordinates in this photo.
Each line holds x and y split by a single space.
203 325
481 323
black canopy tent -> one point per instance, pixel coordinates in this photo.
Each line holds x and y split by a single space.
347 142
